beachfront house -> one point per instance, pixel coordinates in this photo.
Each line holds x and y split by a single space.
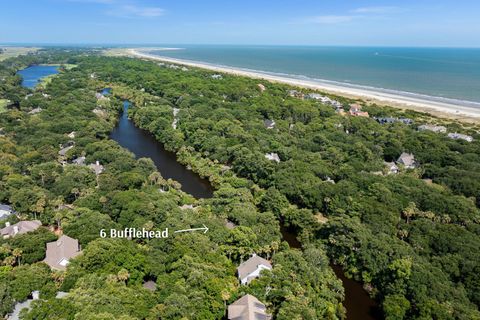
407 160
269 124
252 268
5 211
60 252
217 76
296 94
390 120
433 128
248 308
316 96
356 111
459 136
19 228
261 87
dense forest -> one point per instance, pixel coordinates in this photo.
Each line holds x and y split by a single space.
411 237
195 273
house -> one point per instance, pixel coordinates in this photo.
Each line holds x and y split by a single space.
248 308
150 285
230 225
19 228
60 252
459 136
261 87
315 96
187 207
5 211
356 111
389 120
296 94
407 160
217 76
99 96
251 269
80 161
406 121
71 135
35 111
96 167
392 168
433 128
272 157
269 124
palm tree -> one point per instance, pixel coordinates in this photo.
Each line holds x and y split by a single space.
410 211
123 275
17 253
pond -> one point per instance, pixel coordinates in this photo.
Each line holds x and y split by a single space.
32 75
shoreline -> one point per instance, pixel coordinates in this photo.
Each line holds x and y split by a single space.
370 96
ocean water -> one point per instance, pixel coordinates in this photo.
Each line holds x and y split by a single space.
443 74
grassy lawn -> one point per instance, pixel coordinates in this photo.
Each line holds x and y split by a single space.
10 52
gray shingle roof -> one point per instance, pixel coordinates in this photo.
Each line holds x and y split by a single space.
247 308
61 251
251 265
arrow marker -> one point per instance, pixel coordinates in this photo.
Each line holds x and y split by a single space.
205 229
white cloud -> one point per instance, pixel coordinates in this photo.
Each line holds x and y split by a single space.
94 1
130 11
331 19
376 10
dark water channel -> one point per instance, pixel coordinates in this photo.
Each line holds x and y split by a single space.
143 144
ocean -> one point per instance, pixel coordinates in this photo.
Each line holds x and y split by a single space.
441 74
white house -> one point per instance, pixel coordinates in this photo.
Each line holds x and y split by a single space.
272 157
459 136
5 211
252 268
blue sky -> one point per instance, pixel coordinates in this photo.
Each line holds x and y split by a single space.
308 22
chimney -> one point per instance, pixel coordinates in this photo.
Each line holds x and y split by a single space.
15 230
7 224
97 163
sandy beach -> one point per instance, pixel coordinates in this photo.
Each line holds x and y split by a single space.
437 108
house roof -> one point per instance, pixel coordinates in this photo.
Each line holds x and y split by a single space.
61 251
5 211
97 167
251 265
406 159
79 161
20 228
150 285
269 123
247 308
